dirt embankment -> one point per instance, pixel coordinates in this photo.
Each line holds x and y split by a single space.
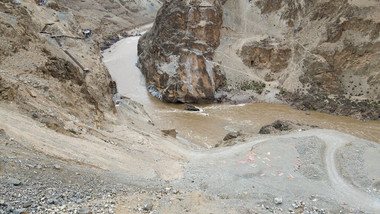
136 169
51 69
60 131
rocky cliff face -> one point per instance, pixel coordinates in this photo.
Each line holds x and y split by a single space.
37 73
322 54
265 55
176 55
49 71
108 17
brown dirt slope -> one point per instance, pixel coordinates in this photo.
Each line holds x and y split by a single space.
47 67
321 54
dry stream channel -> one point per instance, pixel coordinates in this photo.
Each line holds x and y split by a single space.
214 121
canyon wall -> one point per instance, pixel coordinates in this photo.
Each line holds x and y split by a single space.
176 55
322 54
315 55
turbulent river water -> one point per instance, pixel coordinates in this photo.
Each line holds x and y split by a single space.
209 126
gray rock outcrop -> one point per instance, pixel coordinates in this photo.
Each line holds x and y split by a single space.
176 55
322 53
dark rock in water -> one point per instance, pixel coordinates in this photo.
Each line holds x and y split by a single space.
229 139
231 135
170 132
190 107
277 126
282 125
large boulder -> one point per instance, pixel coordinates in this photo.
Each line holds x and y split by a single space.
176 54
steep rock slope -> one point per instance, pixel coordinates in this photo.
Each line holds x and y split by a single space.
317 55
176 55
323 54
109 17
50 70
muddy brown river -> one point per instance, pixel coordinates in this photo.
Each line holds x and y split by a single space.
209 126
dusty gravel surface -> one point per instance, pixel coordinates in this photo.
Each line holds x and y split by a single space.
314 171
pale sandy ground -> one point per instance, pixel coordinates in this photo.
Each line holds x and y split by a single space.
302 166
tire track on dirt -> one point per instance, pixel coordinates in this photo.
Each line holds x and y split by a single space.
348 193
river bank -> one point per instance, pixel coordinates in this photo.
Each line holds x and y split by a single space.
209 126
130 166
65 147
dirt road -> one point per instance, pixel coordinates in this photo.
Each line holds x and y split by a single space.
296 167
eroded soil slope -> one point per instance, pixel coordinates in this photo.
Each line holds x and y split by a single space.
52 71
321 55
